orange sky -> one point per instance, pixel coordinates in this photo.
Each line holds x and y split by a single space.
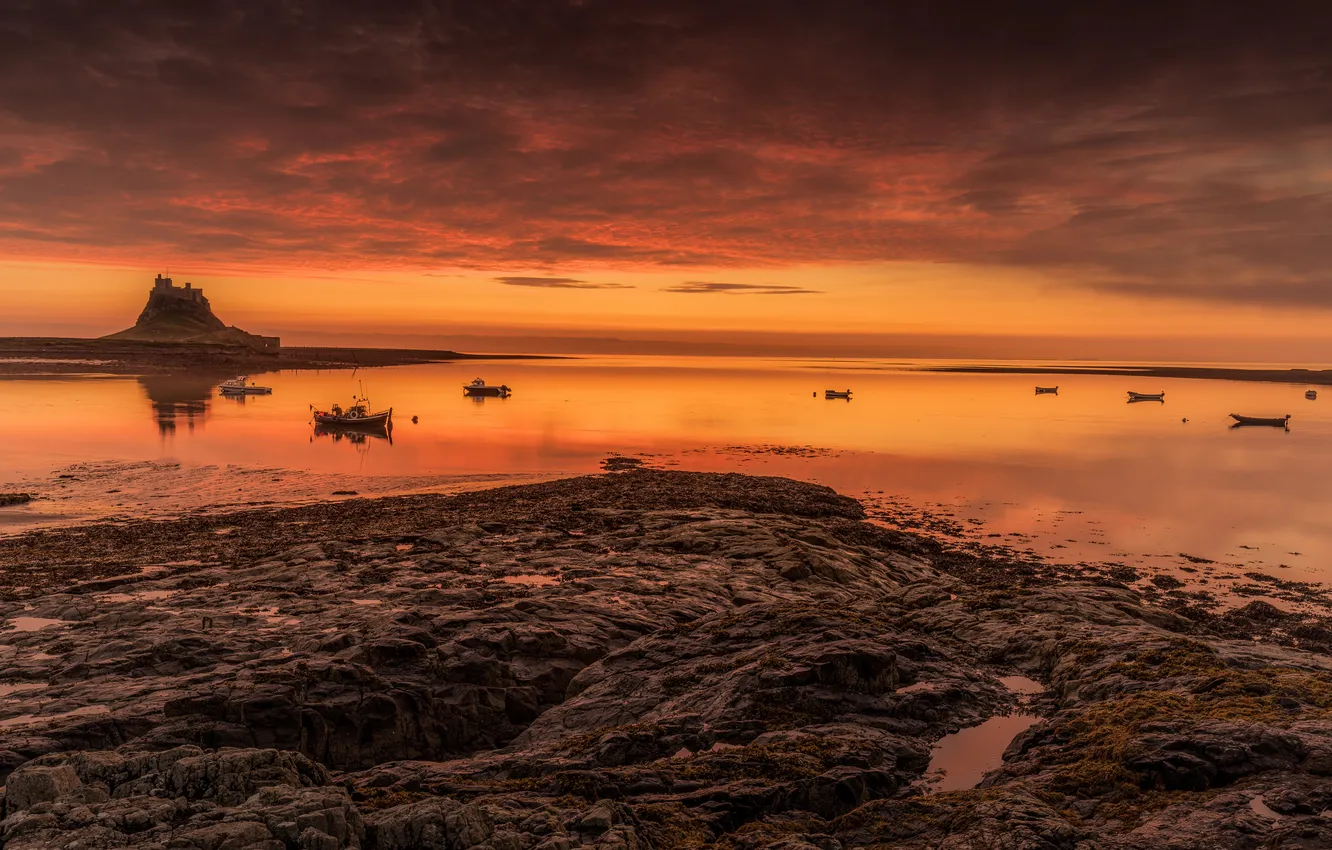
884 309
1078 182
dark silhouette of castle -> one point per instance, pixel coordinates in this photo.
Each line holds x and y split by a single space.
163 286
182 314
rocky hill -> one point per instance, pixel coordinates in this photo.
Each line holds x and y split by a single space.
183 314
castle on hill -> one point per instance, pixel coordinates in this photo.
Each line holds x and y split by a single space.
182 314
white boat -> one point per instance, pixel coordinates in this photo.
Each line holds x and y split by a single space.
837 394
1146 396
481 388
242 385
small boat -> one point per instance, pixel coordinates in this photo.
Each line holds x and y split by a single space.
1146 396
1311 395
356 416
479 387
242 385
1047 391
846 394
1271 421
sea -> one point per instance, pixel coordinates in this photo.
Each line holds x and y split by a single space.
1080 476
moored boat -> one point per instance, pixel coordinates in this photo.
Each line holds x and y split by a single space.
358 415
1272 421
480 388
1047 391
242 385
846 394
1311 395
1146 396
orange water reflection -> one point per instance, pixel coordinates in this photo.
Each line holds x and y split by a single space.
1082 473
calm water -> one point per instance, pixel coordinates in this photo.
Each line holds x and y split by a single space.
1079 475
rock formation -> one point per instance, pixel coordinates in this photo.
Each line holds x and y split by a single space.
632 661
183 314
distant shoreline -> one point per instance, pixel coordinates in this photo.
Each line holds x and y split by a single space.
64 355
1320 377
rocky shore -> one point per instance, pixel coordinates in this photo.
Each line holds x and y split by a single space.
644 659
21 356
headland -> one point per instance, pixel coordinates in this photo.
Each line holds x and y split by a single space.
177 330
63 355
1216 373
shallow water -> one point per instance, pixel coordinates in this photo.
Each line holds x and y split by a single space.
1077 476
531 580
1021 685
960 760
32 624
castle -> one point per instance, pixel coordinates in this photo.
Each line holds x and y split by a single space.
165 286
183 314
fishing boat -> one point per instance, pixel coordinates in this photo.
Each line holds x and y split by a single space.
1146 396
1047 391
479 387
242 385
846 394
358 416
1271 421
1311 395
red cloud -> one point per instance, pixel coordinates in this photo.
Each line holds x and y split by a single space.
1185 157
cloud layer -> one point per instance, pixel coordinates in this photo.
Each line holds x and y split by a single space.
704 287
557 283
1159 149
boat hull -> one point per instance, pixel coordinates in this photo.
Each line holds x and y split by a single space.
247 391
1269 421
1047 391
836 394
490 392
372 422
1146 396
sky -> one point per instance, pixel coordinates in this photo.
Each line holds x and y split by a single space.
1115 180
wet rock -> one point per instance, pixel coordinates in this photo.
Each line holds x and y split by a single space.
643 660
37 784
1214 754
440 822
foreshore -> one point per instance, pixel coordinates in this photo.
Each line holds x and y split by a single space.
51 355
1213 373
643 659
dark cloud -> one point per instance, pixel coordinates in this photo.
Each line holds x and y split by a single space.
1165 148
703 287
558 283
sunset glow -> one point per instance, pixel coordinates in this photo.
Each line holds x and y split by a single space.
672 168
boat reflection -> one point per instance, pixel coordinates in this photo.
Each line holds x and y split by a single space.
359 436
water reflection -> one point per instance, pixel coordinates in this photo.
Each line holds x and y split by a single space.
360 437
176 399
1079 475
